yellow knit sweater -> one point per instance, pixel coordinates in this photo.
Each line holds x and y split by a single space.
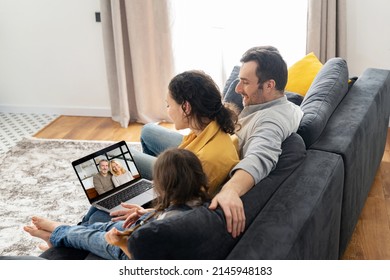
216 151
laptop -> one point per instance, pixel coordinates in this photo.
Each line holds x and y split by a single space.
129 188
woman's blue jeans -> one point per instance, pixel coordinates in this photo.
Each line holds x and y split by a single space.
155 139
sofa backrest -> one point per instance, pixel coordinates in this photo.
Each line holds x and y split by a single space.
324 95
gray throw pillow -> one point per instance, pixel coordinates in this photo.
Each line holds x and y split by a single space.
233 97
294 97
324 95
229 91
233 76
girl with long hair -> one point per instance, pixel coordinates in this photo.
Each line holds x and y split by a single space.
180 184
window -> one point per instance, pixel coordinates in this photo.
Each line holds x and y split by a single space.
211 35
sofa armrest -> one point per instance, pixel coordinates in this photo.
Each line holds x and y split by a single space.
357 130
302 218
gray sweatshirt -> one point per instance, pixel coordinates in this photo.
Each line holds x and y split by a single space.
263 129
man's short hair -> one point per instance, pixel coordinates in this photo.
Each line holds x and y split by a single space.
270 65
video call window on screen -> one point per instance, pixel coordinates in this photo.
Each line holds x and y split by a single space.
87 169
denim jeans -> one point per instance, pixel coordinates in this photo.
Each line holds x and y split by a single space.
95 215
89 238
155 139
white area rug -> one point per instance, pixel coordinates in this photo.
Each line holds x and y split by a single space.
37 178
14 127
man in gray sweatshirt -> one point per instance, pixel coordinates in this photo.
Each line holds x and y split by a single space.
267 119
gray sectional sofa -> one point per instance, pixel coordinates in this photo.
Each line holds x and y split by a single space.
307 208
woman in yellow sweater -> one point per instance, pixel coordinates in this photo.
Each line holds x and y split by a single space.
195 102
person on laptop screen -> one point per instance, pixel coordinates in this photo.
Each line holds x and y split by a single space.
102 181
119 174
181 185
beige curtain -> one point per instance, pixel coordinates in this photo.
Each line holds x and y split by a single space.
139 61
326 28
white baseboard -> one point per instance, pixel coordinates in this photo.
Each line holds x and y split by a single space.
68 111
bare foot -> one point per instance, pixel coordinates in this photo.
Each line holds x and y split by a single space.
45 224
42 234
43 247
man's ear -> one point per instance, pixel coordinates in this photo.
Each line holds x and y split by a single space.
270 84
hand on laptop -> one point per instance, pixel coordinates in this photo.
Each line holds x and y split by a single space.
131 219
130 214
122 214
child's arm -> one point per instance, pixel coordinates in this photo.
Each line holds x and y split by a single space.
131 219
118 238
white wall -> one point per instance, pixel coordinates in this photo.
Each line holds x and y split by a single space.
368 35
51 58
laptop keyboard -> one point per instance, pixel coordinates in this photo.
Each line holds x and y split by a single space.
126 194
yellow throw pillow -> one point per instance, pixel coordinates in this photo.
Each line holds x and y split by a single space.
302 73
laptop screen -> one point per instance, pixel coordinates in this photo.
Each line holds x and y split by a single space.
103 172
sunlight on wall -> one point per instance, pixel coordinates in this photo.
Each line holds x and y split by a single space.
212 35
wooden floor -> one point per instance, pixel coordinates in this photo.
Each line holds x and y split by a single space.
371 238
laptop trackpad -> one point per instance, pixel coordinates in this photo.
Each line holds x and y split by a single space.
138 200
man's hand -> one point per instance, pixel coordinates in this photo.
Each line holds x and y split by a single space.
230 202
233 209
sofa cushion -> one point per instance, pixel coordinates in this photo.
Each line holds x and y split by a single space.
302 73
201 233
64 253
232 77
327 90
293 154
233 97
294 97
